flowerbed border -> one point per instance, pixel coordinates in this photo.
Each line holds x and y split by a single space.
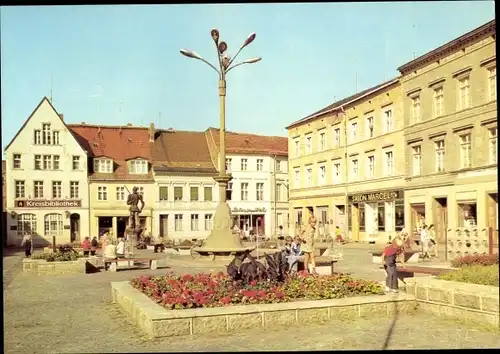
156 321
472 303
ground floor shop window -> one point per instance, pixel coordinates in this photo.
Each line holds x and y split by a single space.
349 217
53 224
178 222
26 223
417 217
381 216
467 214
208 222
399 212
194 222
362 218
371 217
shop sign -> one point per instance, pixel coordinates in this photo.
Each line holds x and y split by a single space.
248 210
48 203
376 196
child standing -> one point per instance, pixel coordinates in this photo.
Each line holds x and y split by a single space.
389 257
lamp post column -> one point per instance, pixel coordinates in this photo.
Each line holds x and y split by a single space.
224 178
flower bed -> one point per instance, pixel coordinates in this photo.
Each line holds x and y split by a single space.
475 260
216 290
57 256
475 274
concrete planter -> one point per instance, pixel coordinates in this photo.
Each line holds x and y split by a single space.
477 304
156 321
42 267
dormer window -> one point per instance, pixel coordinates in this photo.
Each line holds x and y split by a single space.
46 137
138 167
103 165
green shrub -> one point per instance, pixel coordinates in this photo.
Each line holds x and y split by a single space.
484 275
482 259
56 257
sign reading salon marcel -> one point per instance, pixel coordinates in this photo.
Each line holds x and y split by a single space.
48 203
376 196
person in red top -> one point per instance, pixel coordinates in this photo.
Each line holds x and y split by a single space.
389 258
86 247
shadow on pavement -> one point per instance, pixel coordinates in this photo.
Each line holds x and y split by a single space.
390 332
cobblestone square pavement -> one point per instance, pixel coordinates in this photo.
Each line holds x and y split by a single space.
74 314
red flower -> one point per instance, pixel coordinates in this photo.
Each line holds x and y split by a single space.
261 293
279 294
253 282
186 292
187 277
249 293
144 278
225 300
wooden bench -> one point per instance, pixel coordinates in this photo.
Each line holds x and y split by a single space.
112 264
324 265
409 257
410 271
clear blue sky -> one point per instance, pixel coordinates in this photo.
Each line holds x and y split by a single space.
98 56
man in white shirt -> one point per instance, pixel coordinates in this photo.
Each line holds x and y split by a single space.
120 248
424 241
110 251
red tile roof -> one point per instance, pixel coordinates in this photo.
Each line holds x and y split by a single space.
251 144
182 151
117 143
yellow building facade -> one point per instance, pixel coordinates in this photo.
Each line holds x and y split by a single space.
451 135
346 161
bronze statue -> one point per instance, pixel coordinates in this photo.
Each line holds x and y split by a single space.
133 200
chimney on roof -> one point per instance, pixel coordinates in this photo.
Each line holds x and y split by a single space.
152 132
61 115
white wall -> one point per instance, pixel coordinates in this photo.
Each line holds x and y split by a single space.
67 148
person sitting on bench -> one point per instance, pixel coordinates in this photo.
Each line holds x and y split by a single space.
120 248
110 251
293 253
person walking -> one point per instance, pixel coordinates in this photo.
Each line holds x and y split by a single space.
432 241
424 242
27 242
389 258
307 245
93 246
86 247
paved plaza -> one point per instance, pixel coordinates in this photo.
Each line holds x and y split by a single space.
74 314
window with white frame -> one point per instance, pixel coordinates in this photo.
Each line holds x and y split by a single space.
492 83
416 160
389 163
309 175
244 191
228 164
137 167
369 127
178 193
465 151
120 193
415 109
259 188
74 189
244 164
464 93
439 149
178 222
260 164
322 175
229 190
194 193
38 162
278 166
308 144
46 137
208 222
140 191
388 123
103 165
337 178
336 137
438 101
207 193
47 162
296 143
195 222
55 137
493 145
16 161
102 193
26 223
76 163
322 141
56 189
278 195
56 160
296 178
20 191
370 167
354 131
163 193
354 169
53 224
37 137
38 189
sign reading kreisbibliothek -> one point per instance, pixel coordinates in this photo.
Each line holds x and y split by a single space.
48 203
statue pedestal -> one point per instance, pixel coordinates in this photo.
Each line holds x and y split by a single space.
131 243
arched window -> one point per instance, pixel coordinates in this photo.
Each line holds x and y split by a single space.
26 223
53 224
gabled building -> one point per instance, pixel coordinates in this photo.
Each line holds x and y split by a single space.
346 159
119 158
258 192
46 180
450 105
4 205
186 194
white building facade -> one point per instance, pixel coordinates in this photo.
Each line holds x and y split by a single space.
258 194
47 181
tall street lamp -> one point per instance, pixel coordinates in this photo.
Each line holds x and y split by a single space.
222 241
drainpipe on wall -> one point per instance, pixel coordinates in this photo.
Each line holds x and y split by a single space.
346 175
275 202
